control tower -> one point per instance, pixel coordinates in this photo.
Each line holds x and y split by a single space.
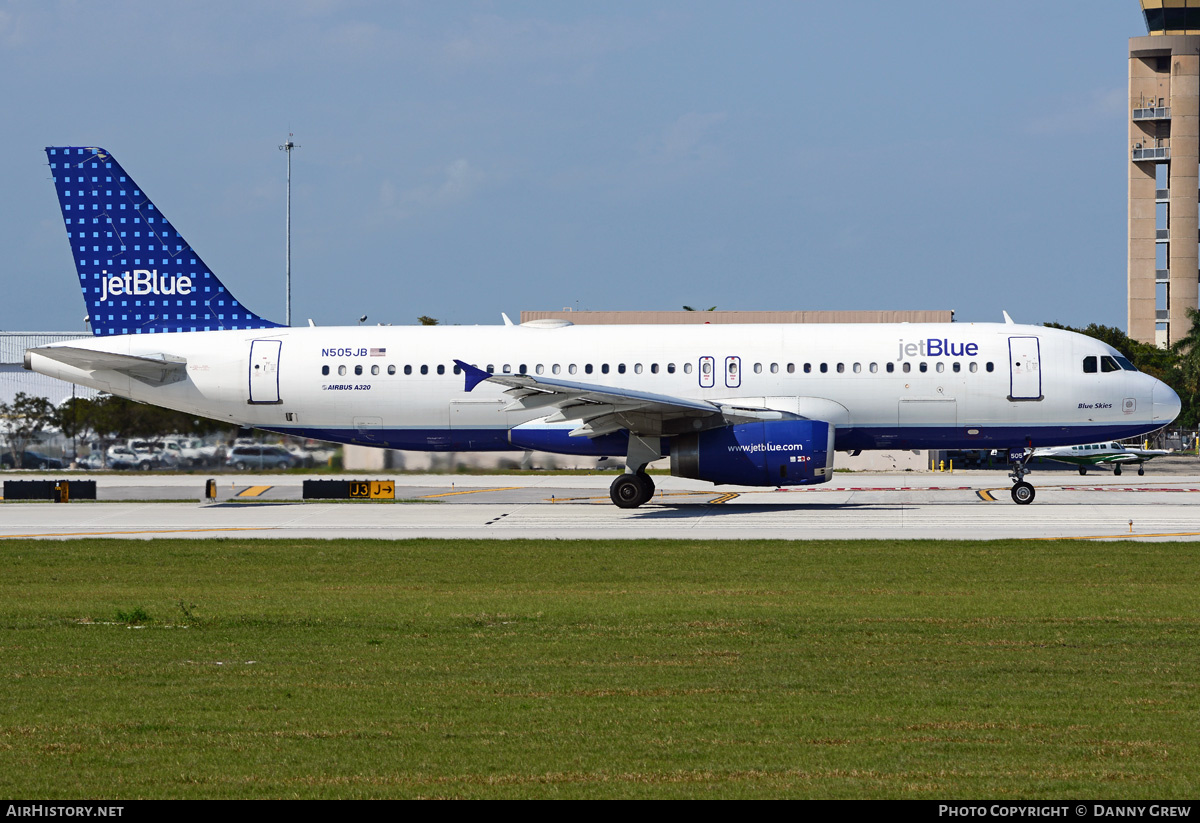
1164 161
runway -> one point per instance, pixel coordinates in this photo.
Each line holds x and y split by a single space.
884 506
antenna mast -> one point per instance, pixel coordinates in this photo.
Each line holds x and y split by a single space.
288 146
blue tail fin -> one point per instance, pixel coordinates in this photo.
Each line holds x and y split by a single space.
138 275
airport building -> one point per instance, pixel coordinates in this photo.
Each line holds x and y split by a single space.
1164 164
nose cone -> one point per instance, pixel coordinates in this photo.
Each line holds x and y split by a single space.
1166 403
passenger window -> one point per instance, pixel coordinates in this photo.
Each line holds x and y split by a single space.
824 368
424 370
457 370
654 368
841 367
891 367
571 369
1089 364
687 368
637 368
587 369
523 369
857 368
604 368
940 367
491 369
441 369
807 368
620 368
791 369
774 368
358 369
342 370
324 370
924 367
957 366
991 367
874 368
670 368
507 368
408 369
374 370
392 369
758 368
974 367
556 369
906 368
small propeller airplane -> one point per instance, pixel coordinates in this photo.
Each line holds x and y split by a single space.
1100 454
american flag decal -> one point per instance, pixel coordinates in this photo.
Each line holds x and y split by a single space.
378 352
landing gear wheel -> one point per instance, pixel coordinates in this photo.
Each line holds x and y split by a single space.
1141 471
631 490
1117 470
1083 470
1022 493
647 486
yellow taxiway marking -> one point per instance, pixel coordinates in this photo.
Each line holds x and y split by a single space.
724 498
253 491
1126 536
986 494
471 491
144 531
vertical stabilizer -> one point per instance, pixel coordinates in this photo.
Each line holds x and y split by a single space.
138 274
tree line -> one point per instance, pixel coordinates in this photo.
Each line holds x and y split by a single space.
107 418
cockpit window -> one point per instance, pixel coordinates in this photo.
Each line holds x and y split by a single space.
1089 364
1109 363
1125 364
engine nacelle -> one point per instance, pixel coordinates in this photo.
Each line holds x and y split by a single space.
767 453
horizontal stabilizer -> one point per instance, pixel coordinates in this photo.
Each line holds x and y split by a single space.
154 370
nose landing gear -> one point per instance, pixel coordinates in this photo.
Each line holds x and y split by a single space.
1022 492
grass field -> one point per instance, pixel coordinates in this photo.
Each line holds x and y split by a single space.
176 668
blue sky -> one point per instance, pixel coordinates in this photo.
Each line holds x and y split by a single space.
459 159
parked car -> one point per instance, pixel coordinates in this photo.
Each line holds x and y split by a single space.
244 458
93 461
123 457
190 451
30 460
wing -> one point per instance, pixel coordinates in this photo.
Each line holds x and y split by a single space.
1142 455
605 409
155 370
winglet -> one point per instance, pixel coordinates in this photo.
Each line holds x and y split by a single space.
474 375
507 322
1007 319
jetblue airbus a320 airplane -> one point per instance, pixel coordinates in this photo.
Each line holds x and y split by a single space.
760 405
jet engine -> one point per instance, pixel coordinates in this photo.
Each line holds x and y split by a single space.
767 453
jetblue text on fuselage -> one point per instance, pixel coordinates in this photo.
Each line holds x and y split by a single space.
937 347
143 281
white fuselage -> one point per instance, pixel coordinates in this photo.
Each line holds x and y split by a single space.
961 385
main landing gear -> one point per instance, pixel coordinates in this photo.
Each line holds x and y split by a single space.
631 490
1022 492
635 487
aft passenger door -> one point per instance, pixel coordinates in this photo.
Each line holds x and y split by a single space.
264 371
1025 380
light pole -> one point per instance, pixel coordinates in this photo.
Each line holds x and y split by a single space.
288 147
